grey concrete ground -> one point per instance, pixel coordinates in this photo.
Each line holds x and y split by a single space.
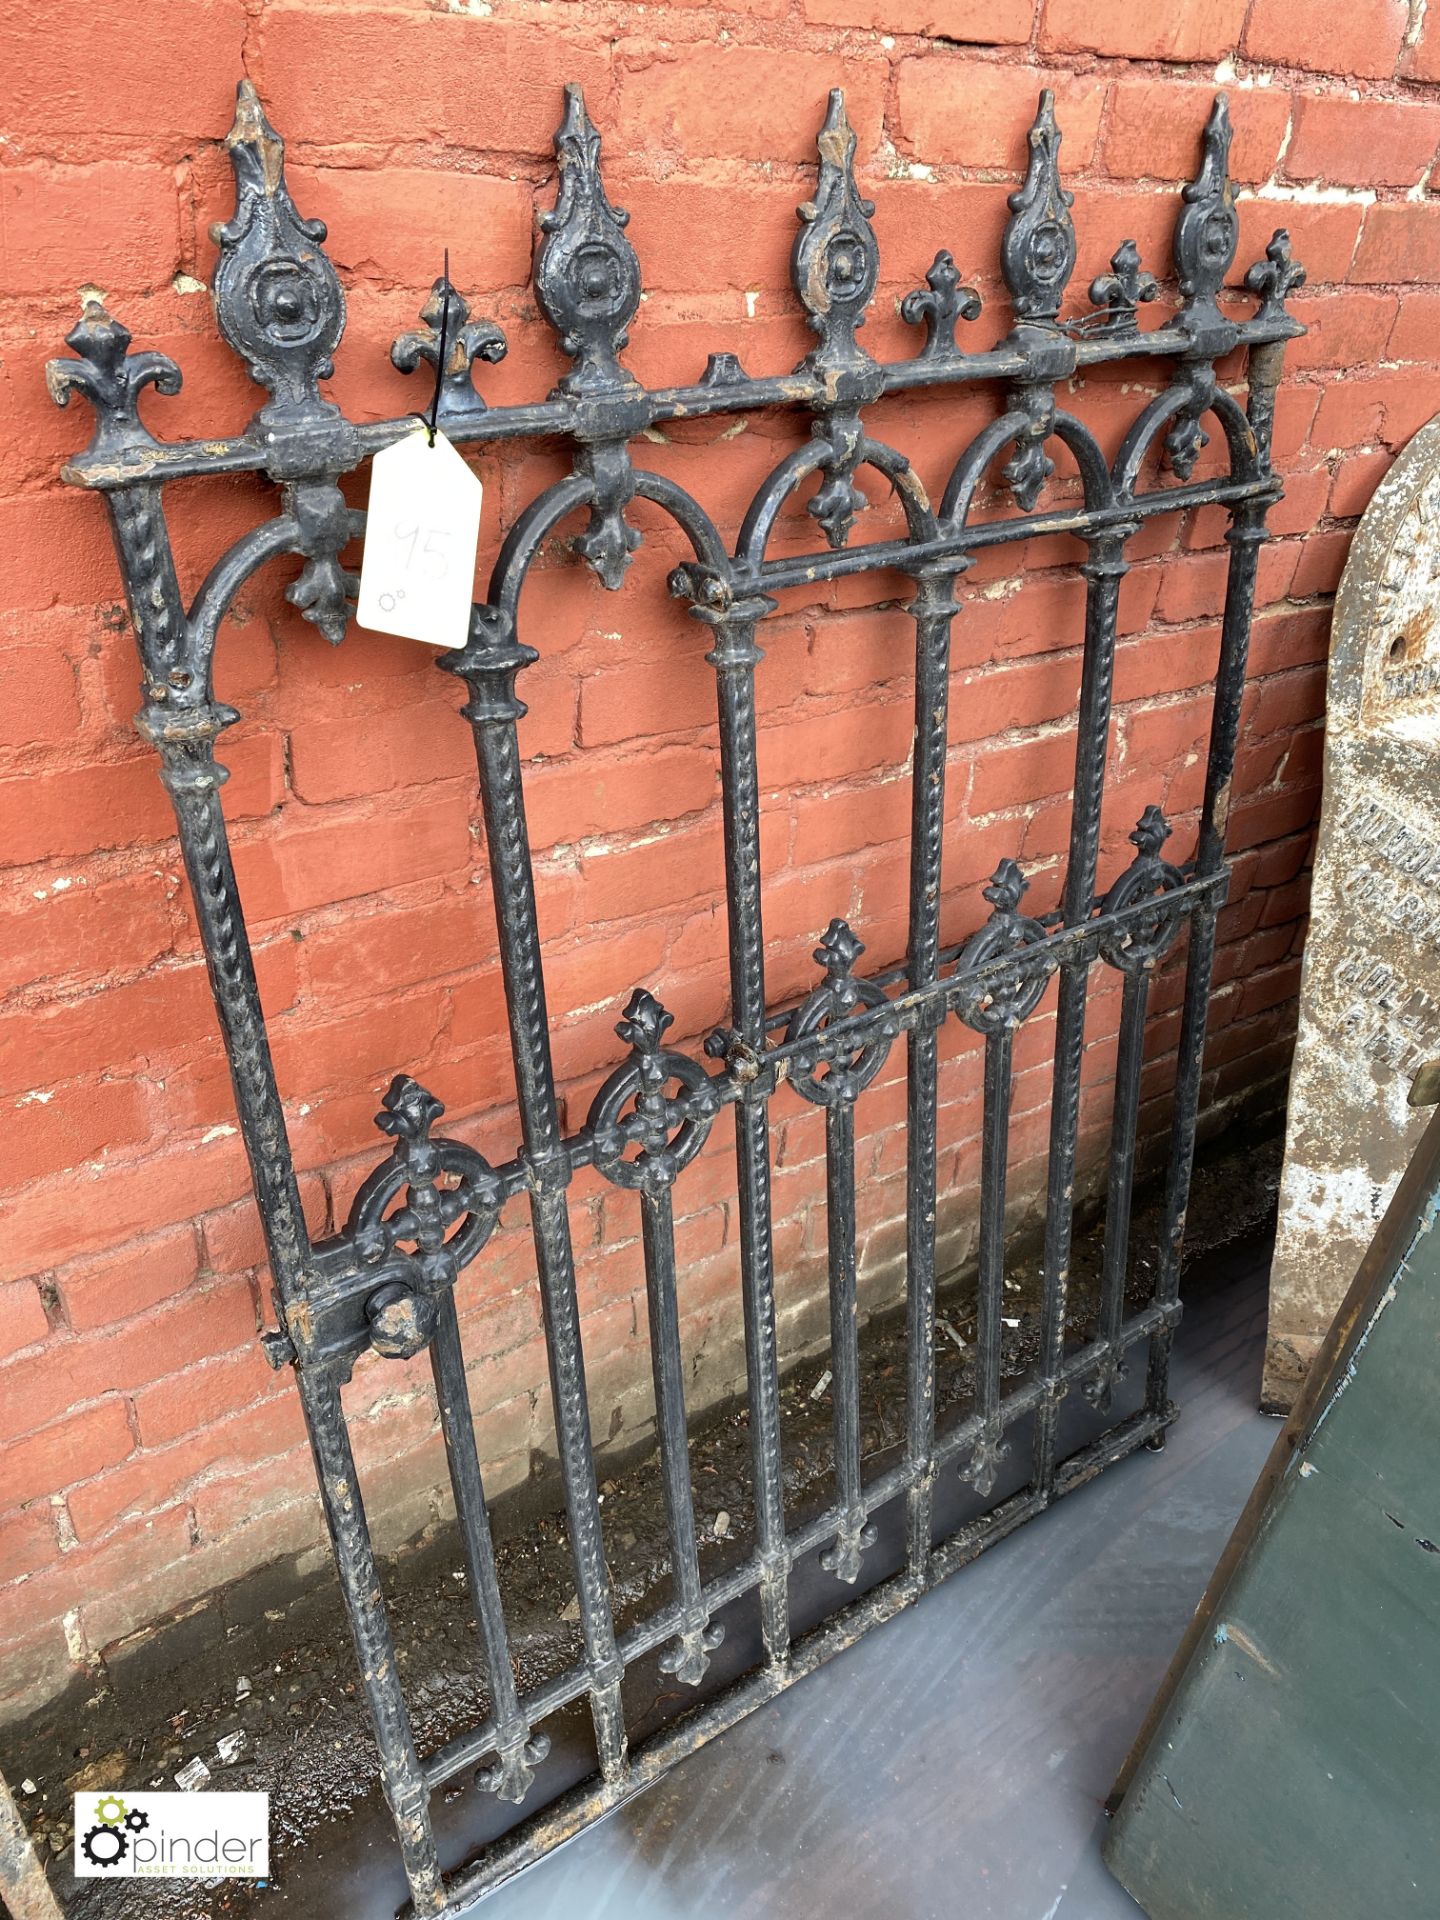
955 1762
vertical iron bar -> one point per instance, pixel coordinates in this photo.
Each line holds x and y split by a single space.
401 1776
457 1424
933 610
657 1222
990 1284
1246 535
843 1558
182 721
490 664
1120 1178
735 657
1103 570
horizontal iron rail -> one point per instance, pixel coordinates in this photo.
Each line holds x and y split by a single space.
564 417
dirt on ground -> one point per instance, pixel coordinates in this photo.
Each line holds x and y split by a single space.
273 1703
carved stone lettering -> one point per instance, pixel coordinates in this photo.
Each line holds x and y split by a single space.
1370 999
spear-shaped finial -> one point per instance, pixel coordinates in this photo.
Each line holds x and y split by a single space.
1037 254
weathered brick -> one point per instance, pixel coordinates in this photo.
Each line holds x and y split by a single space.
976 113
1154 129
1199 30
983 22
22 1317
61 1452
1400 241
1362 38
1362 143
697 100
117 1284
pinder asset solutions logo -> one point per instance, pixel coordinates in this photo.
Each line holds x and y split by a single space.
173 1836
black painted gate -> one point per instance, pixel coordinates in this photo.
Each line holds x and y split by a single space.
386 1282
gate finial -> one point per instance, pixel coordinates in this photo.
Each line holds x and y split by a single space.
835 263
587 275
1208 230
277 298
1037 254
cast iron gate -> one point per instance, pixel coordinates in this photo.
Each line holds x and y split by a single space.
387 1280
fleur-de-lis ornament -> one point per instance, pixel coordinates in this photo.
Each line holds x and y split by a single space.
944 302
466 341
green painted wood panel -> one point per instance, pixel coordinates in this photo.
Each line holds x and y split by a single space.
1291 1765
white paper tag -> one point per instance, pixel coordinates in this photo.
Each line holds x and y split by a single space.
417 572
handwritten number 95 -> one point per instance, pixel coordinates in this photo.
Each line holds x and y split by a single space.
422 548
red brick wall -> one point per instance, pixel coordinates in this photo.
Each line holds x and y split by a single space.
148 1454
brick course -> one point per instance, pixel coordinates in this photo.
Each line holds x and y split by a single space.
149 1452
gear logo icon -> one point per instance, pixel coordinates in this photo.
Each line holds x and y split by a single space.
105 1846
110 1810
137 1821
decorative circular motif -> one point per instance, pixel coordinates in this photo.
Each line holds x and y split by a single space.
286 302
1008 997
666 1144
840 1071
598 281
1144 939
849 268
1049 254
1218 238
468 1206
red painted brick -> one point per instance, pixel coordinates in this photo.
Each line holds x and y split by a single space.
62 227
38 703
71 1448
1401 242
408 747
1154 129
51 1132
22 1317
28 1541
598 792
983 22
976 113
1321 564
100 1291
56 814
1349 330
56 1220
373 229
1199 30
1417 327
1383 406
310 860
718 100
89 925
110 81
1323 235
1362 38
1355 480
161 1015
1362 143
1422 61
341 73
152 1480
